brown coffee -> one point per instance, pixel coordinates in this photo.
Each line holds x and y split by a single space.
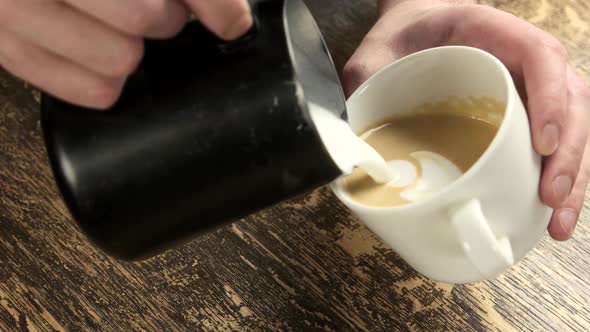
458 131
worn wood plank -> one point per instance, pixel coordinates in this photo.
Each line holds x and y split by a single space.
303 265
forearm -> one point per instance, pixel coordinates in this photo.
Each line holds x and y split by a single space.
385 5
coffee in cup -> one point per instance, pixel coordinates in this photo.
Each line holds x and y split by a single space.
475 225
427 149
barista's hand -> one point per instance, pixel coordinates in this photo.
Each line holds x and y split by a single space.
558 100
83 50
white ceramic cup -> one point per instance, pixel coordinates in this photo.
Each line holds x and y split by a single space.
486 221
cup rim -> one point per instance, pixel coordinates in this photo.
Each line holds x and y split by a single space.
508 111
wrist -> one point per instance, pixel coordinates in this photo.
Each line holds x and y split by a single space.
386 5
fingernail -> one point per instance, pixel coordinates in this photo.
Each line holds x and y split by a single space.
239 27
549 140
562 186
567 221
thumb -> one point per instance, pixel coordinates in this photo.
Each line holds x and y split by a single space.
368 59
228 19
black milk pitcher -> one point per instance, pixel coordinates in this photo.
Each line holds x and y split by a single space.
206 132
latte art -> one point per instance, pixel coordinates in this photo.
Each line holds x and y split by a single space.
437 173
426 150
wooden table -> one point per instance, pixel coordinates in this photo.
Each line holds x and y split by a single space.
304 265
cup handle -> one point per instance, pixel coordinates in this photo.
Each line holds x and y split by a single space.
489 254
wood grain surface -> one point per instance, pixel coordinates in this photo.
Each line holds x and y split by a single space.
304 265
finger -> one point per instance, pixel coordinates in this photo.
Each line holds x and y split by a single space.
538 56
368 59
228 19
564 219
145 18
72 35
562 168
545 72
56 75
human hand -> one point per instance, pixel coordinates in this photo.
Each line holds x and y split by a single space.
557 99
82 51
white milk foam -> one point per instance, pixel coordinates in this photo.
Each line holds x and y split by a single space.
346 148
437 173
349 151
